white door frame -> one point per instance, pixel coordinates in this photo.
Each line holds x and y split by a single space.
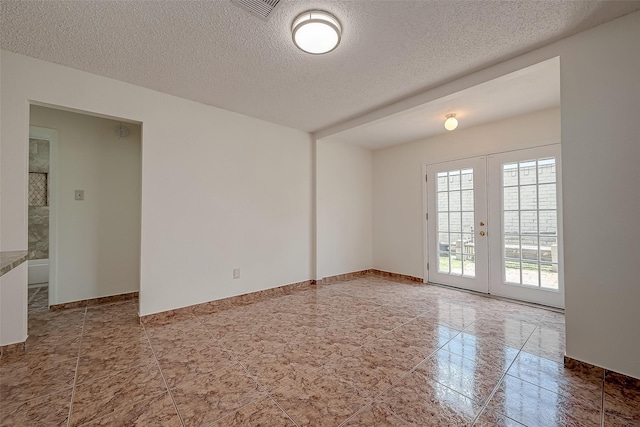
480 281
497 284
493 224
50 135
425 227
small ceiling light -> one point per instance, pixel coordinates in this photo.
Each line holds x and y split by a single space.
451 123
316 32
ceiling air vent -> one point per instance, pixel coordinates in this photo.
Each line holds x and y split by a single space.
260 8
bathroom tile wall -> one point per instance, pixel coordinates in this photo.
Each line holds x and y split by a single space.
39 215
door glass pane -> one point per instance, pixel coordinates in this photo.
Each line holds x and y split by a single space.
454 201
455 243
455 221
443 221
527 172
443 253
512 271
530 273
547 196
512 247
510 174
528 197
443 202
469 266
530 223
548 249
467 200
468 255
546 170
443 182
467 238
467 222
511 199
454 180
456 264
511 222
549 276
466 180
455 206
529 248
443 265
548 223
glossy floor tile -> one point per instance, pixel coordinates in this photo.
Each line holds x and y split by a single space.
532 405
371 351
38 297
419 399
621 400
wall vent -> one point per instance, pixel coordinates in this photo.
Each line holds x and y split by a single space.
260 8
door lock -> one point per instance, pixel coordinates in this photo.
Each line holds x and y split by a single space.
481 224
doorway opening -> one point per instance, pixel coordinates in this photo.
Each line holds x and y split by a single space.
84 209
41 143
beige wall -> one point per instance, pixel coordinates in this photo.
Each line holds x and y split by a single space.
98 239
344 216
601 152
219 190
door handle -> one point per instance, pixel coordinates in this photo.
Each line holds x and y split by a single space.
481 224
482 233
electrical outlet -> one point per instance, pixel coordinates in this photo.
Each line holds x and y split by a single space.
79 194
236 273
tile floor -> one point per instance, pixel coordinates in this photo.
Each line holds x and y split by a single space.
38 297
365 352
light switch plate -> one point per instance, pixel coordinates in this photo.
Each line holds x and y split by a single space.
79 194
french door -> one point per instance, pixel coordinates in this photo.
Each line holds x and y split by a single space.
457 218
494 225
526 225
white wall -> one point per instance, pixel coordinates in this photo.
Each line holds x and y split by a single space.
600 92
13 306
219 190
98 244
344 216
398 222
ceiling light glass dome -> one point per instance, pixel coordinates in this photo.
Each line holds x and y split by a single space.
451 123
316 32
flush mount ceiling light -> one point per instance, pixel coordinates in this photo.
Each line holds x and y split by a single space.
316 32
451 123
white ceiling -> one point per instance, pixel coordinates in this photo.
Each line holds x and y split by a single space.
218 54
531 89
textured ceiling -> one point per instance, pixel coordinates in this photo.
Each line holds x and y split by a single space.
218 54
531 89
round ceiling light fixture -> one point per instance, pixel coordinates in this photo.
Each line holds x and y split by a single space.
451 123
316 32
